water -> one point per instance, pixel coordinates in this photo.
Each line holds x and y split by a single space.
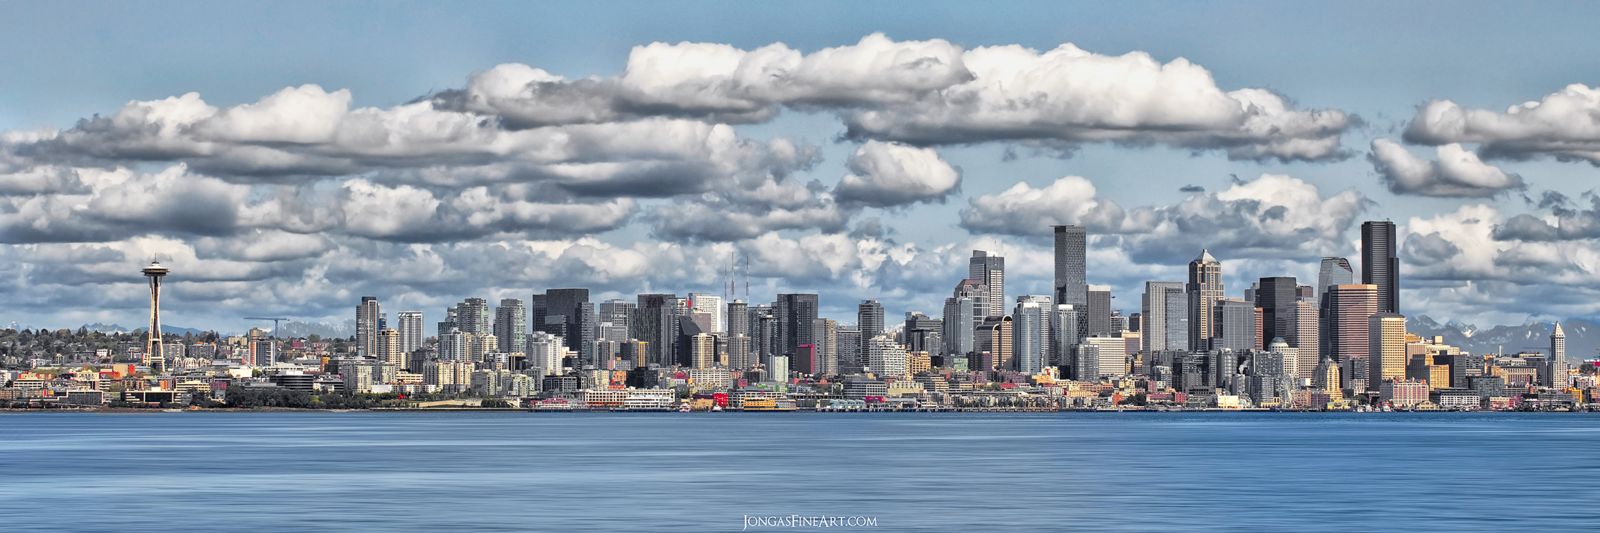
705 472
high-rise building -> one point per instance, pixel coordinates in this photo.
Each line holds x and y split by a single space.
1277 296
703 350
388 349
794 313
958 326
869 319
367 327
1097 312
738 313
1204 289
656 323
711 305
566 311
511 325
990 270
472 316
851 356
1031 333
1334 271
1063 334
994 338
825 333
1379 263
1072 280
1386 352
1112 354
1161 330
1234 324
1307 338
740 348
923 333
409 324
1346 321
615 320
1558 358
544 353
885 357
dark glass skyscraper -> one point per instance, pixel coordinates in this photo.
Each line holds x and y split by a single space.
1072 279
1379 264
1276 296
794 313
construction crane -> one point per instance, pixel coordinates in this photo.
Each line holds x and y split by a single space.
274 320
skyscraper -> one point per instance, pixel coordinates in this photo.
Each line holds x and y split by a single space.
990 270
825 333
1031 332
1157 317
1204 289
1558 357
1379 264
1072 280
1386 349
794 313
740 354
869 318
409 324
994 338
576 322
711 305
1276 296
1064 334
1334 271
472 316
367 327
1097 311
1346 320
656 323
1307 338
1233 325
511 325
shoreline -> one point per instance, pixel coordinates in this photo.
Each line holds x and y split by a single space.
128 410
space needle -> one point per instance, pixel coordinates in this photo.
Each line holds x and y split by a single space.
154 352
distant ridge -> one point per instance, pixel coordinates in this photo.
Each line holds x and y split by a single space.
1583 336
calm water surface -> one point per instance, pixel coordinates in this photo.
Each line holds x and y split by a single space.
704 472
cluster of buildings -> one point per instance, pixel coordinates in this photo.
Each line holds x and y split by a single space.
1330 343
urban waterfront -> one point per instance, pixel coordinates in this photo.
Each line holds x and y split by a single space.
911 472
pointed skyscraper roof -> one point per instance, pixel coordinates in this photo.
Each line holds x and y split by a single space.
1205 256
1558 332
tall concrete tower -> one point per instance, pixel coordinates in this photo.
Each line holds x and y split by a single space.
154 350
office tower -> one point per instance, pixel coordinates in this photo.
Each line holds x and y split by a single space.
584 329
1256 320
1386 349
448 324
1030 332
565 311
510 325
454 346
765 339
990 270
1063 334
794 313
1379 264
1327 378
409 324
388 349
740 353
472 316
709 304
885 357
1346 321
619 315
1558 358
1112 357
656 323
923 333
367 327
1204 289
1234 324
1154 313
544 352
1335 271
1307 339
958 326
869 318
994 338
1085 362
825 333
703 350
1277 297
1072 279
154 349
851 359
1097 311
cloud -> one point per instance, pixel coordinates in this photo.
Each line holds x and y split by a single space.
1458 173
1273 216
1564 125
1564 223
888 175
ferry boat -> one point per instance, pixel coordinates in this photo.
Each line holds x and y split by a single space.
769 404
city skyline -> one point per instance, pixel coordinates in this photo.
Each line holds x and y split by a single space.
497 172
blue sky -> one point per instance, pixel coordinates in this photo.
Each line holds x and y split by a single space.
1378 61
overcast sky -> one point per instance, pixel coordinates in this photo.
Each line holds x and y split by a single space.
286 158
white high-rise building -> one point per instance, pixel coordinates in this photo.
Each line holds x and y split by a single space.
710 305
544 353
1031 332
886 358
409 324
1164 314
510 325
367 327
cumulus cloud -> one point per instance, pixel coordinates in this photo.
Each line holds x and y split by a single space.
1564 125
1564 223
888 174
1458 173
1273 216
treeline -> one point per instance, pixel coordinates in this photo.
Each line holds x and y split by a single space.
256 397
